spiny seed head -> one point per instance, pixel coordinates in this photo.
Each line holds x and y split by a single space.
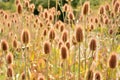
89 75
60 44
46 47
113 2
97 76
25 36
4 45
93 45
71 16
113 60
15 43
64 52
64 36
79 34
9 58
10 71
68 44
116 7
52 34
23 76
62 26
102 10
86 8
19 8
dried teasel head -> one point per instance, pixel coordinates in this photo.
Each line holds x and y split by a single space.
89 75
23 76
41 77
102 10
67 45
46 47
113 60
52 34
4 45
9 58
15 43
79 34
71 16
10 72
93 45
19 8
25 36
64 36
97 76
116 7
86 8
64 52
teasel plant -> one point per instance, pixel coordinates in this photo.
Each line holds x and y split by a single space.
25 39
85 13
79 38
4 47
47 51
112 63
64 55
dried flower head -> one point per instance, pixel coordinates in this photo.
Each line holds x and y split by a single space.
19 8
64 52
89 75
25 36
23 76
46 47
4 45
14 43
10 71
113 60
93 45
97 76
64 36
9 58
52 34
79 34
86 8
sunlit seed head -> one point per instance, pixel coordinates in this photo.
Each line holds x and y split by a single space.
68 45
86 8
10 72
41 77
15 43
97 76
116 7
71 16
4 45
64 36
19 8
89 75
79 34
25 36
64 52
101 10
40 8
52 34
62 26
113 60
23 76
9 58
47 48
93 45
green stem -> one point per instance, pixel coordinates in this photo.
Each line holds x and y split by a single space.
79 64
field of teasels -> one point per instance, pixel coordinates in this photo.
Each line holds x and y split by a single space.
84 46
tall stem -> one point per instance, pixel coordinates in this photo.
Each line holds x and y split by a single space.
79 64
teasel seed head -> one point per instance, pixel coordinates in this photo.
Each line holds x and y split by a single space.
86 8
47 48
25 36
41 77
89 75
116 7
97 76
71 16
15 44
113 60
79 34
93 45
74 40
9 58
4 45
64 52
64 36
10 72
102 10
19 8
52 34
23 76
62 26
68 45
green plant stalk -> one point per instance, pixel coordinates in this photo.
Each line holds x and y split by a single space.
48 4
56 9
25 63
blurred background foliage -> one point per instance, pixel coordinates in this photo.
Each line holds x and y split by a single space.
9 4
